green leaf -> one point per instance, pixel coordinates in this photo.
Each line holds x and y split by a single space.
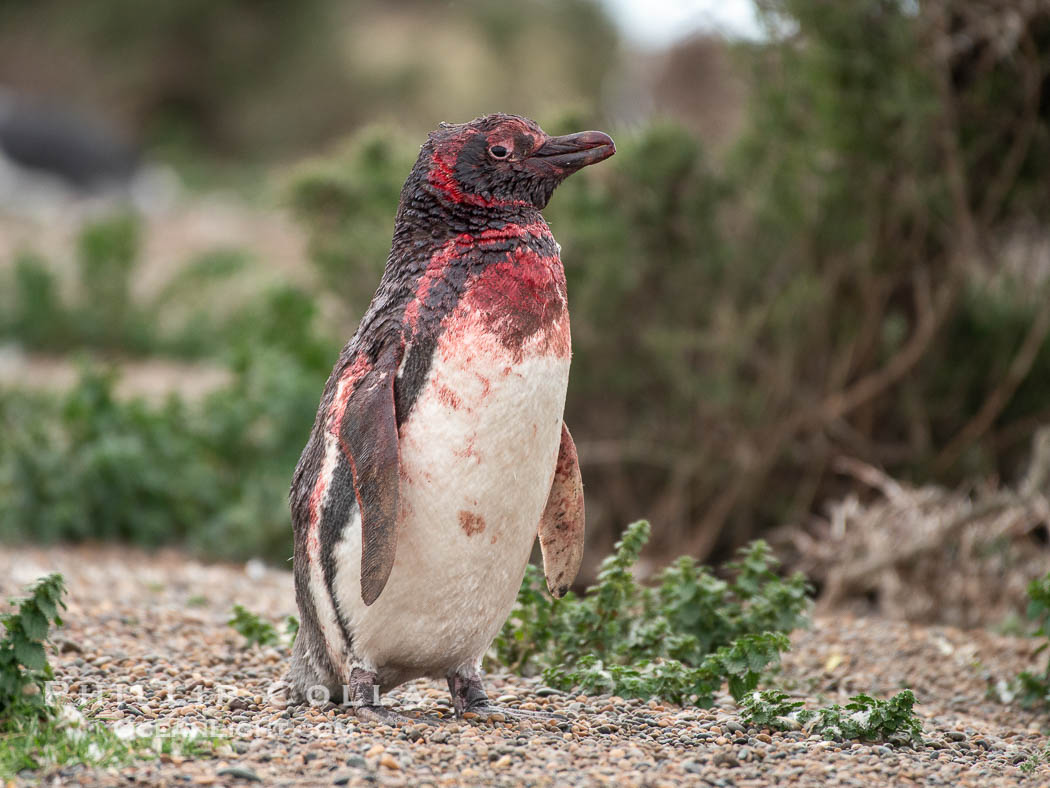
34 624
30 653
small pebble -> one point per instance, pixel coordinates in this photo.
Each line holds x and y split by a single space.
240 773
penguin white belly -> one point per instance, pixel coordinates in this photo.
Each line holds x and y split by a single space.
478 455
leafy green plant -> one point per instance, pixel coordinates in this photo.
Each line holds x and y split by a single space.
24 669
1035 687
101 314
291 628
191 317
681 640
254 629
770 708
211 475
868 718
259 632
742 665
864 718
1035 760
37 316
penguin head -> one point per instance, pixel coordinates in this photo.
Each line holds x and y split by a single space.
505 161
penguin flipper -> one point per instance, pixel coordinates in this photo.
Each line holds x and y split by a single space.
368 437
561 525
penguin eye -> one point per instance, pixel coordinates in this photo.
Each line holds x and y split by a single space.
498 152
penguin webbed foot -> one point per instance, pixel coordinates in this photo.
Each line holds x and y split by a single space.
386 716
469 697
364 698
488 710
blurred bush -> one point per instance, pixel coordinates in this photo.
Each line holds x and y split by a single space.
853 278
101 314
347 204
182 72
212 475
196 314
235 79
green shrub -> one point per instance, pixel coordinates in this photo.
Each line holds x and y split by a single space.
863 717
680 641
347 204
212 476
24 669
85 464
101 314
191 317
192 313
89 466
37 317
252 628
106 317
258 632
1035 687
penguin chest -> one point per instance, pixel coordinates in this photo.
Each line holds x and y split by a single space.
478 454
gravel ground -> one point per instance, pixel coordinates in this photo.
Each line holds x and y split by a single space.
151 631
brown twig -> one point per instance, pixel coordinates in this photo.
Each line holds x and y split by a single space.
995 193
964 230
929 315
1000 395
871 476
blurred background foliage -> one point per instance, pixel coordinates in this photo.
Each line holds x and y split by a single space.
242 79
829 241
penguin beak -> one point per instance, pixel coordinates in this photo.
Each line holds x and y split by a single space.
570 152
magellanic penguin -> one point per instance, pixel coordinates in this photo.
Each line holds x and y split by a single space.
439 449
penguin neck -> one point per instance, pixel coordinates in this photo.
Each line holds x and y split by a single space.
427 217
435 247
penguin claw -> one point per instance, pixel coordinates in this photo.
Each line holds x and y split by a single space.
471 702
488 711
385 716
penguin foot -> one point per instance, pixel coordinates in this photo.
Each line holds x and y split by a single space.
364 697
387 716
490 710
469 698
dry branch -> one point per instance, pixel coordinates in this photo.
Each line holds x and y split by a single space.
927 553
